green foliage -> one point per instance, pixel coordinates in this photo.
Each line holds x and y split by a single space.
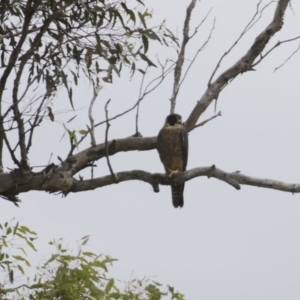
61 39
13 256
55 45
65 276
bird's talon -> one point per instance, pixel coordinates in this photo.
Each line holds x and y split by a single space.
173 172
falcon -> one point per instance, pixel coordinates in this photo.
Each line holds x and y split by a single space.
172 146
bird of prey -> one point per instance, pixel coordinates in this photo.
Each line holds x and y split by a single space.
172 146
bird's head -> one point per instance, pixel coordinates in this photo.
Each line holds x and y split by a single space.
173 119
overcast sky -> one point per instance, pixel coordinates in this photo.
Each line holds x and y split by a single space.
224 244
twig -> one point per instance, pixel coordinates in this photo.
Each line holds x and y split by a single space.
234 44
196 54
18 117
138 105
36 122
290 5
50 158
203 20
97 89
180 60
274 47
106 144
73 146
260 15
147 91
287 58
11 152
4 36
219 114
2 134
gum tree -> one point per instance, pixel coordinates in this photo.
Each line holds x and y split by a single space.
54 43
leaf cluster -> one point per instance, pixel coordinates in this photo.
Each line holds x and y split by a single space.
60 38
68 276
58 43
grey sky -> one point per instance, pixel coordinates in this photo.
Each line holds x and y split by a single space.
224 244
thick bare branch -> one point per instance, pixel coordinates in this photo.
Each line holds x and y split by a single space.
244 64
54 179
76 162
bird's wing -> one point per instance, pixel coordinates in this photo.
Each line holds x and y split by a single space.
185 147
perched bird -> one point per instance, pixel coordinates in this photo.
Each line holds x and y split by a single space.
172 146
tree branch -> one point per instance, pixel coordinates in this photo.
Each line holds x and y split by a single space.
106 144
180 60
54 179
97 89
219 114
274 47
281 65
77 162
198 51
235 179
244 64
29 11
150 87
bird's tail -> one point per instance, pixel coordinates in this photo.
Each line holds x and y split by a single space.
177 194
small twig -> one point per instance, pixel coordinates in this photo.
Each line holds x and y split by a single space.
180 60
219 114
18 117
287 58
274 47
97 89
50 158
138 102
106 143
73 146
148 90
11 151
36 122
203 20
196 54
290 5
4 36
248 26
260 15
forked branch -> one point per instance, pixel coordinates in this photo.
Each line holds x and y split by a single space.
244 64
235 179
56 180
